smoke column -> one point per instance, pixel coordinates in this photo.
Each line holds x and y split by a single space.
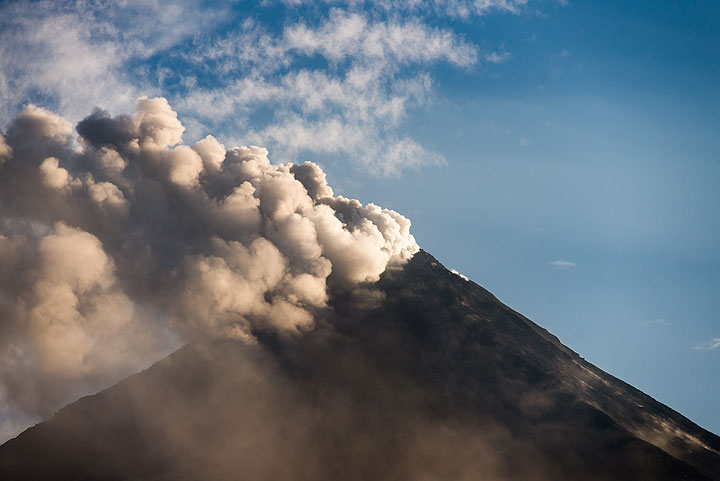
120 244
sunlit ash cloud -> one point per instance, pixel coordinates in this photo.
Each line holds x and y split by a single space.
120 244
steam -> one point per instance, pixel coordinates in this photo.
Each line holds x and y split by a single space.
119 245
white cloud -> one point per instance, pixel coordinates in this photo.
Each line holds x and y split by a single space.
452 8
350 106
658 322
710 345
561 265
497 57
75 55
346 76
56 56
381 156
355 36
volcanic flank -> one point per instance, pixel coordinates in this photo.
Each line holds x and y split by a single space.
422 375
319 342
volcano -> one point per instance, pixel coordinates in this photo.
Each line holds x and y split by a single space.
421 376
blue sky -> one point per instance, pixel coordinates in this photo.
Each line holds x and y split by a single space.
564 155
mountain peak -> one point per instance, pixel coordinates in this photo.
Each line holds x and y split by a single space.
421 375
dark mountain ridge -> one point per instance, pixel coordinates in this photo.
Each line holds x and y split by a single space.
421 376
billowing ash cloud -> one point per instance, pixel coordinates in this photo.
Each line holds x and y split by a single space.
120 244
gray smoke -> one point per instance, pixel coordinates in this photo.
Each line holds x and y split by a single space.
121 244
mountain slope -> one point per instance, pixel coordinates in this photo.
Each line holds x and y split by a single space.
422 376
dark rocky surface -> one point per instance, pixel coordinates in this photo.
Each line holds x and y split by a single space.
423 376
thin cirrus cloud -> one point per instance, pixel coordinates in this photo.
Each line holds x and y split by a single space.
710 345
561 265
497 57
344 77
462 9
658 322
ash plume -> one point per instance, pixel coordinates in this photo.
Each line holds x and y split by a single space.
120 244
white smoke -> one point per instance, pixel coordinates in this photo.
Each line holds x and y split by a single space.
119 245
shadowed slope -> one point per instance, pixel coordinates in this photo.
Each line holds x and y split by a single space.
423 376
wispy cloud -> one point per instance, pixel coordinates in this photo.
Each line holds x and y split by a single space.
497 57
562 265
351 103
77 55
462 9
710 345
658 322
346 76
